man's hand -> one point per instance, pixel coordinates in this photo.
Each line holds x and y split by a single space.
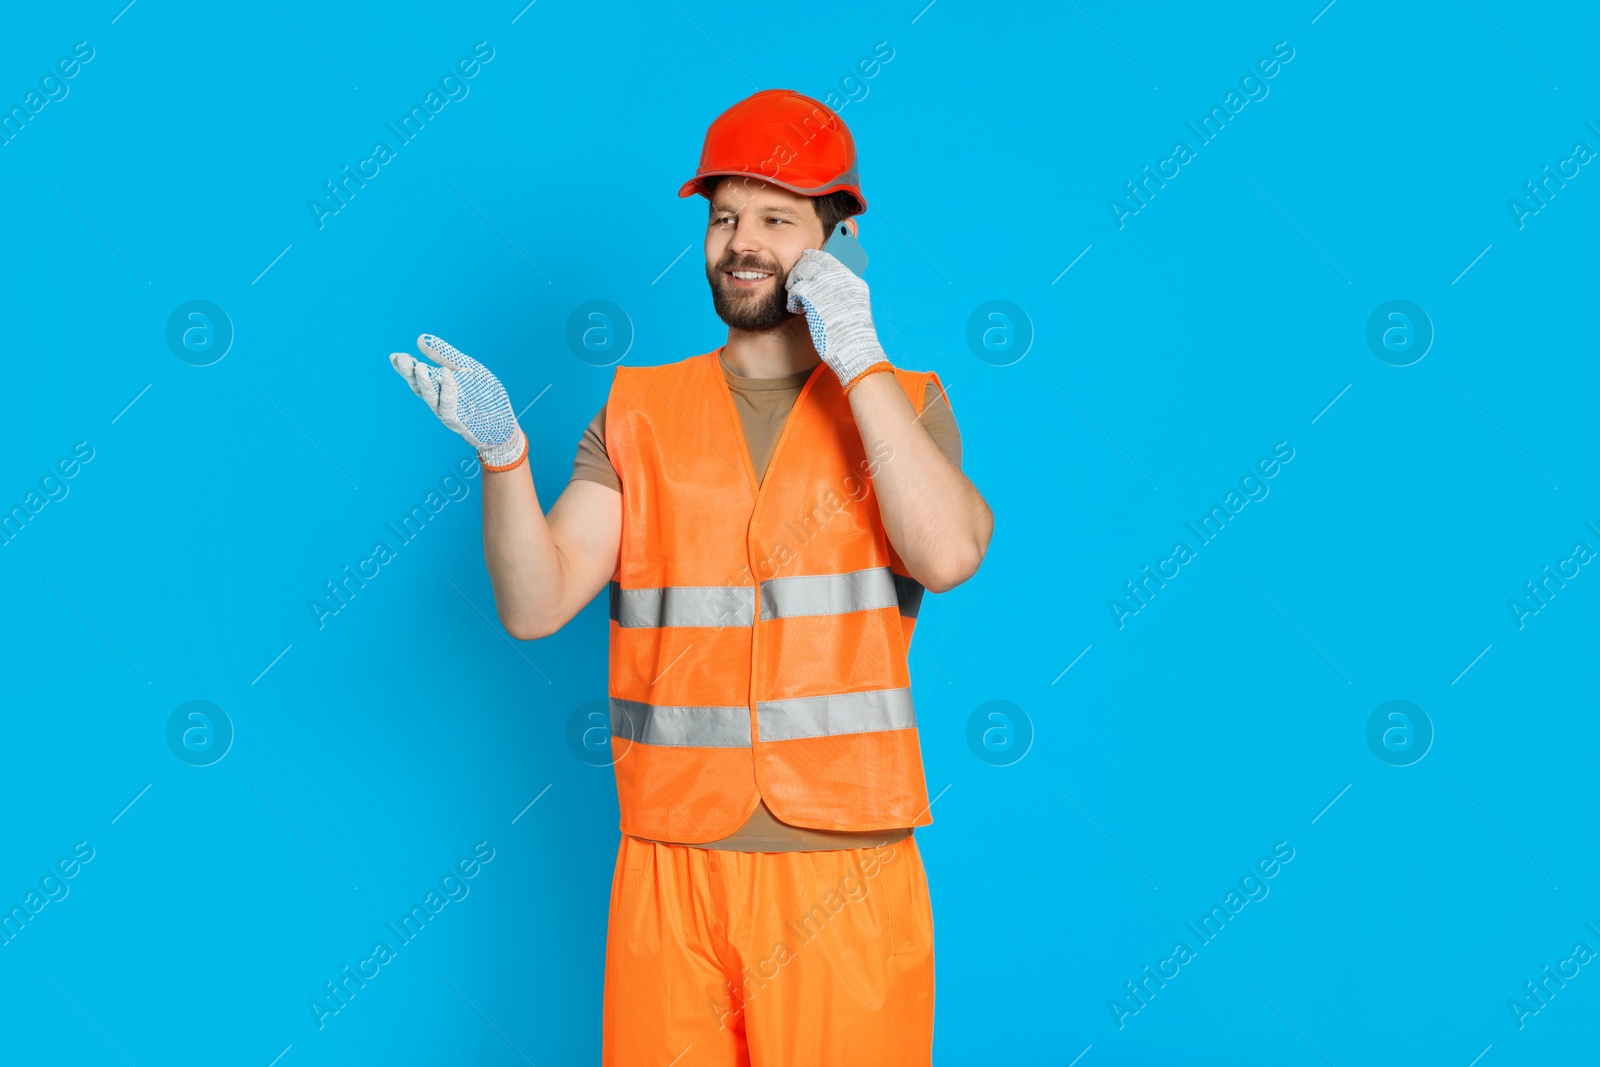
839 312
468 399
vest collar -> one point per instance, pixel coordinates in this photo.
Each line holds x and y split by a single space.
712 364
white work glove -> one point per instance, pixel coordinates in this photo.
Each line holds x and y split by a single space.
468 399
839 312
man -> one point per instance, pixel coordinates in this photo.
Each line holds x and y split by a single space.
769 904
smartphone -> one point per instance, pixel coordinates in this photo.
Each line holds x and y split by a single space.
845 246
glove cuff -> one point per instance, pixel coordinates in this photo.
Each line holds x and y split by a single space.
505 456
874 368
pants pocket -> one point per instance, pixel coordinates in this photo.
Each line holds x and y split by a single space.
637 918
905 895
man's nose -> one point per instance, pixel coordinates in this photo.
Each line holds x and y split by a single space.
746 236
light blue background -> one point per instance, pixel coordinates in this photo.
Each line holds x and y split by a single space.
1226 316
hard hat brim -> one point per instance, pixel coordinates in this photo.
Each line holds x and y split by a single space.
697 185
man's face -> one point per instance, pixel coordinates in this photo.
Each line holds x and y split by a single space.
757 230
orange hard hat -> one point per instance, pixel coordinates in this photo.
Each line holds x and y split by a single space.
783 137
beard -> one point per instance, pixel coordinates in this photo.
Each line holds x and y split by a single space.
749 309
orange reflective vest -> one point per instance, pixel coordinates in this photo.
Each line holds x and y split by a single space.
759 633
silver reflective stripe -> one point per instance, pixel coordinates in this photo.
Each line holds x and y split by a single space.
779 720
781 598
660 724
839 713
828 594
684 605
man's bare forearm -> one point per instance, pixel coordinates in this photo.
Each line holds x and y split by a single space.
523 559
934 515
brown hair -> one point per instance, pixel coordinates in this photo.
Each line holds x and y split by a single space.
832 208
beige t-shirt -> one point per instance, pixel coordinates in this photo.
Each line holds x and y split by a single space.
764 405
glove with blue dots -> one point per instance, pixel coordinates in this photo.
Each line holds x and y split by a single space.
467 398
839 312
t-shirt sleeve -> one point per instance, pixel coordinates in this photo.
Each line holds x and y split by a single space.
591 463
940 423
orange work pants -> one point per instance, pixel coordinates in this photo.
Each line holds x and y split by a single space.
770 959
